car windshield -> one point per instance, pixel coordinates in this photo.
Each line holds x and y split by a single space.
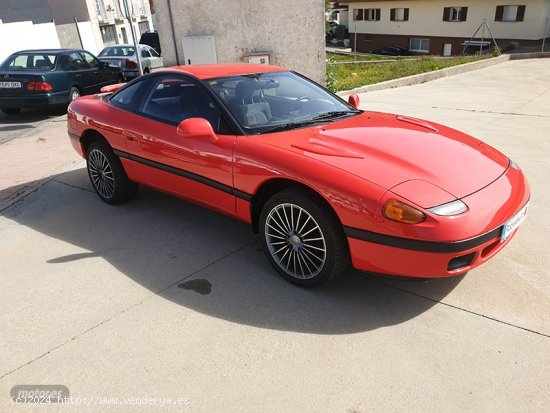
118 51
30 61
273 102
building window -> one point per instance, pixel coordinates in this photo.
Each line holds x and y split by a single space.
455 14
143 27
100 8
420 45
510 13
366 14
108 34
372 14
399 15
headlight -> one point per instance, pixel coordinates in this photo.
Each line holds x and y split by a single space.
451 208
400 212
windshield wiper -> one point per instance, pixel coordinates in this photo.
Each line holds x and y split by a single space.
323 117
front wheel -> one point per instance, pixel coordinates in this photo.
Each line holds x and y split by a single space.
302 238
107 174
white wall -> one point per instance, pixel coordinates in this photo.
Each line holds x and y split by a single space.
426 18
88 37
293 30
26 35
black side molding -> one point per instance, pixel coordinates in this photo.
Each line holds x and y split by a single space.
419 245
185 174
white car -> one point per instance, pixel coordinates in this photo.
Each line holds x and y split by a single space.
124 56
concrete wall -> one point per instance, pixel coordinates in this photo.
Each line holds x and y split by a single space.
294 31
426 19
36 11
68 35
26 35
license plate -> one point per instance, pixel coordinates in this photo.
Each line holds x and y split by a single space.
10 85
513 223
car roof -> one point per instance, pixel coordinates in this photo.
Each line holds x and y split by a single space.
49 50
209 71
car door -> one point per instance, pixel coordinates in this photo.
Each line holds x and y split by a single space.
75 64
98 74
197 168
156 60
145 58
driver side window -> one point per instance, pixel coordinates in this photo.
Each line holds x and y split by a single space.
174 99
90 60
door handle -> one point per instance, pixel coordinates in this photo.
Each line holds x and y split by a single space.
131 136
78 75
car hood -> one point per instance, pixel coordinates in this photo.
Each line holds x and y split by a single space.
414 158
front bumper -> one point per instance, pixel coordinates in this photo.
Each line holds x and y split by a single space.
489 209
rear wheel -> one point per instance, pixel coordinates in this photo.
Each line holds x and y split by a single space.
302 238
11 111
107 174
74 93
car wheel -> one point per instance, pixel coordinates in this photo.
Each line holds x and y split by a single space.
146 70
302 238
107 174
74 93
11 111
120 79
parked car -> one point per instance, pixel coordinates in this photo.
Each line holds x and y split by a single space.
325 184
391 51
124 56
39 78
151 39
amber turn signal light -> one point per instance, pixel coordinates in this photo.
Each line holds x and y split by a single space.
400 212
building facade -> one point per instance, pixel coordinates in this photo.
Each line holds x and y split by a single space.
442 27
288 33
87 24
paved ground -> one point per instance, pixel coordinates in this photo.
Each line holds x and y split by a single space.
26 122
159 298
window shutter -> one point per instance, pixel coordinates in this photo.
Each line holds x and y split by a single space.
406 15
463 13
499 13
521 13
377 14
446 14
392 15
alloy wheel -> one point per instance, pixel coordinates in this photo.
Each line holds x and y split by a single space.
101 173
295 241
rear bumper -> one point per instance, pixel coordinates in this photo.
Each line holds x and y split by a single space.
489 209
35 100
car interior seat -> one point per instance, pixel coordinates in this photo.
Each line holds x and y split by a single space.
252 109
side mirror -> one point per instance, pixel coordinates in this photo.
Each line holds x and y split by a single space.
353 100
198 128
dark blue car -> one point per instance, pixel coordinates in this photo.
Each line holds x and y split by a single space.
39 78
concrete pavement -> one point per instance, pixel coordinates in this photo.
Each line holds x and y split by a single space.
160 300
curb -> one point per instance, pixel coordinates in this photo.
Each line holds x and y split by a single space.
438 74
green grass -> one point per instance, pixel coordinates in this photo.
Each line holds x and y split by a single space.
350 76
337 57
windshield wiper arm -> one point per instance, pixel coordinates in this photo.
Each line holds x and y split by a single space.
323 117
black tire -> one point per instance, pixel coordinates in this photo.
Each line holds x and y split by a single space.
121 79
146 70
74 93
296 227
107 174
11 111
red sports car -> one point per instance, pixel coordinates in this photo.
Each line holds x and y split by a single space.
324 183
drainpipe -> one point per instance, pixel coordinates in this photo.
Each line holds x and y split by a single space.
173 31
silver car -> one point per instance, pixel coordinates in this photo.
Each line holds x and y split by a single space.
124 56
